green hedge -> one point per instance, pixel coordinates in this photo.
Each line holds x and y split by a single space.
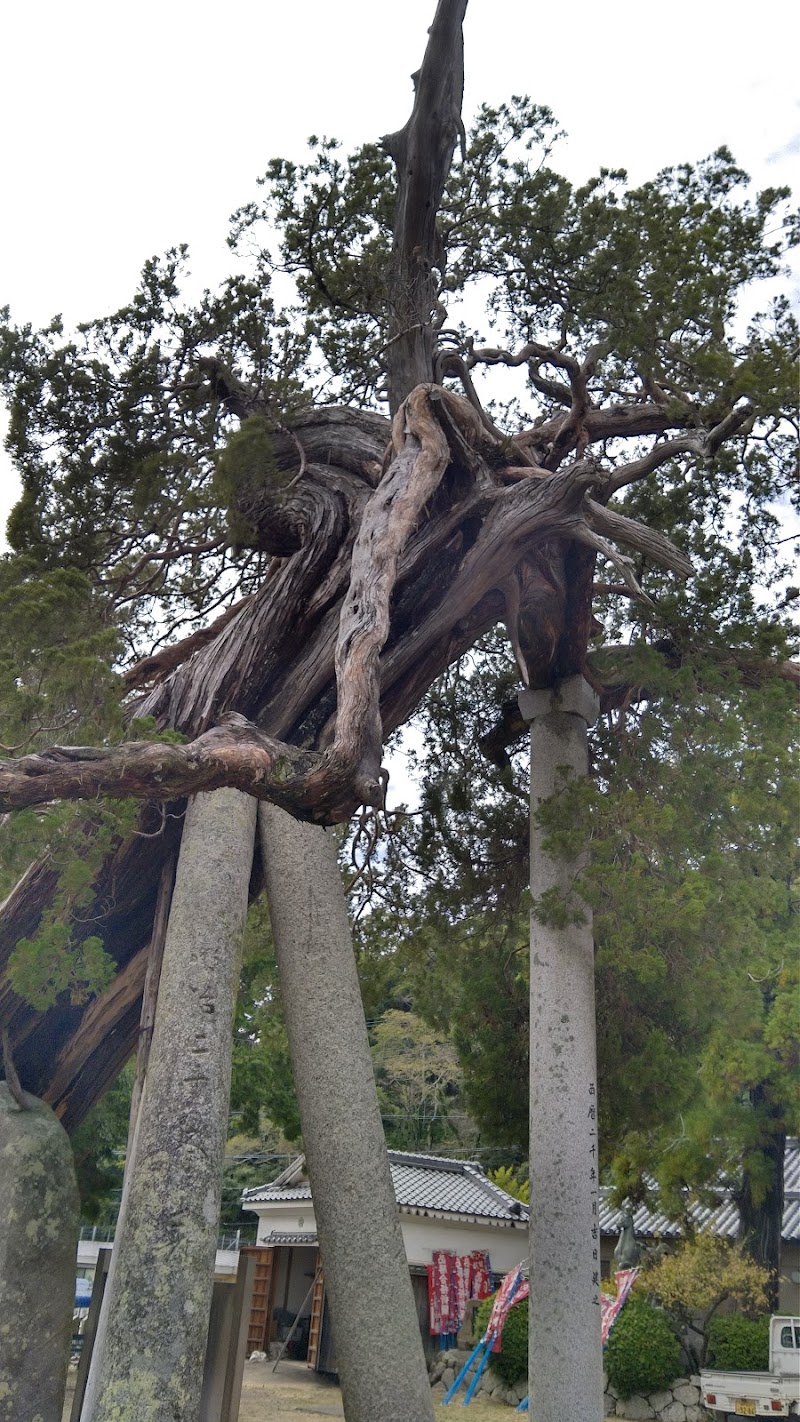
738 1345
511 1364
643 1353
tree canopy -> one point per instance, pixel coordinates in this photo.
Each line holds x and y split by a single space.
257 530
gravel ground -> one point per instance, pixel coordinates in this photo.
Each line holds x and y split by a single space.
294 1391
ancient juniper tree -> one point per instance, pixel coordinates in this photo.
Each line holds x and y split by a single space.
185 472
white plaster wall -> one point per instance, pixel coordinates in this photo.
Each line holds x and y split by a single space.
422 1235
294 1215
790 1277
88 1250
227 1260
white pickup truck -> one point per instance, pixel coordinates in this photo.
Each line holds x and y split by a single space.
772 1394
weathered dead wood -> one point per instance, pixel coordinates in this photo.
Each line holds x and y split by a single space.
72 1051
427 557
160 664
10 1071
264 651
155 958
436 434
423 153
621 421
102 1014
390 518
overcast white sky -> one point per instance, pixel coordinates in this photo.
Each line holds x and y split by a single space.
130 128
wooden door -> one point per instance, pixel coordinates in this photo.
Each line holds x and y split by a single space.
260 1308
317 1310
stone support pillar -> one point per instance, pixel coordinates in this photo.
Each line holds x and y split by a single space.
151 1368
565 1358
376 1333
39 1210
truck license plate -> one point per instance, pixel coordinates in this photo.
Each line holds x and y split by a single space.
745 1407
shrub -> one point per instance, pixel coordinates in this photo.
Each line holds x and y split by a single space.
643 1353
703 1272
738 1345
511 1364
696 1278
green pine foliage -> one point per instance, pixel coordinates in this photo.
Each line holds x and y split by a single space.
62 957
417 1072
56 657
245 463
643 1354
691 813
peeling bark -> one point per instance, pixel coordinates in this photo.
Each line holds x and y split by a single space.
440 450
423 152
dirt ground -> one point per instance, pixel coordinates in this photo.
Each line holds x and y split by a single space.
294 1391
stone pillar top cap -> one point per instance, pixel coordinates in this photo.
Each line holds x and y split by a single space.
573 696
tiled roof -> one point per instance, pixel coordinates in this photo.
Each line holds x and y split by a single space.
722 1219
290 1236
423 1185
260 1194
433 1185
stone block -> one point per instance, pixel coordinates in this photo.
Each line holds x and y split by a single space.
466 1333
676 1412
686 1393
39 1210
637 1409
659 1400
609 1405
